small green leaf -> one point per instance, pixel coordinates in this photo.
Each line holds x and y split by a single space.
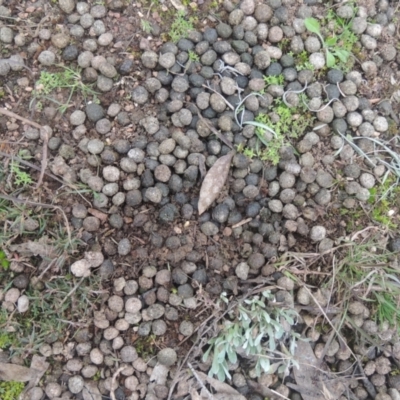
265 364
330 59
331 41
342 54
312 25
232 356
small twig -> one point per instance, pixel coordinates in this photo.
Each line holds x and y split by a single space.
329 321
244 221
16 116
209 395
44 157
219 94
219 135
114 378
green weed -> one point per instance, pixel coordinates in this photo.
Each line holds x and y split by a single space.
21 178
4 263
338 44
146 26
366 272
6 340
274 79
260 328
11 390
181 26
302 62
67 78
145 346
382 199
275 129
193 56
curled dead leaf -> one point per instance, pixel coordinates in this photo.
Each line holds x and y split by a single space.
214 181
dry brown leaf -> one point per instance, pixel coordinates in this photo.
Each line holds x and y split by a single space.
18 373
312 382
30 248
195 395
214 181
98 214
39 366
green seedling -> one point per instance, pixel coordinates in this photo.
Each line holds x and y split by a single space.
274 79
260 330
193 56
383 199
21 178
146 26
337 46
302 62
4 263
181 26
67 78
275 129
11 390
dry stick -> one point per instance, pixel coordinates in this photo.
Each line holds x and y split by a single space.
264 391
219 94
209 395
114 378
51 263
219 135
13 115
242 222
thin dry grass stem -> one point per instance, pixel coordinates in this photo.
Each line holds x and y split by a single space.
51 263
219 135
265 391
333 278
329 321
368 228
72 291
113 380
33 203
